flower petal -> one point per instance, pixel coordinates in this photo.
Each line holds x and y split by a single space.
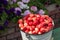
25 1
26 12
41 12
34 8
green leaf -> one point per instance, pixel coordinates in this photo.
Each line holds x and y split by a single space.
14 20
46 12
4 16
52 1
1 22
57 1
42 1
14 4
36 3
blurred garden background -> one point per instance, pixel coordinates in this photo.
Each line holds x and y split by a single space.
13 10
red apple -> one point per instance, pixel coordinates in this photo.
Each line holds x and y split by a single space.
21 25
27 31
25 17
25 24
36 22
46 16
30 32
39 32
47 29
39 26
20 21
42 30
46 21
29 18
31 23
37 15
34 18
28 27
50 19
50 24
33 27
31 15
41 19
34 32
38 18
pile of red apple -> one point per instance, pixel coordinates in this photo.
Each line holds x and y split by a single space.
35 24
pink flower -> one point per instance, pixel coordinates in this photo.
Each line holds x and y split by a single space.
26 12
34 8
41 12
25 1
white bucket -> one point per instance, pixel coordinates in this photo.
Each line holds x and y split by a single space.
46 36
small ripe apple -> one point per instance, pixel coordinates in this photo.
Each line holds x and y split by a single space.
20 21
39 32
37 15
30 23
27 31
34 32
25 24
31 15
39 26
30 32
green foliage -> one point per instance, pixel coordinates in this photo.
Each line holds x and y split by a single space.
3 17
46 12
15 19
57 1
36 3
42 1
52 1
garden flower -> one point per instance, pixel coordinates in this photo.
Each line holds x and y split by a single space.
25 1
1 27
17 8
26 12
34 8
12 9
22 5
4 2
26 6
41 12
17 11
